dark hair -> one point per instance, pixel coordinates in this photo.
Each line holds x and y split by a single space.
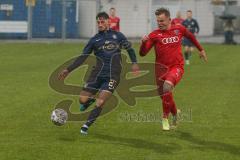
189 10
112 8
162 10
102 15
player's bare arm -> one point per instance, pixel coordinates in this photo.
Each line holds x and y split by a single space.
63 74
203 55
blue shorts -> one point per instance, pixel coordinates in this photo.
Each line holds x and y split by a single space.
101 84
187 42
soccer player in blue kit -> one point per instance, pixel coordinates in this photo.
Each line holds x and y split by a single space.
192 25
105 76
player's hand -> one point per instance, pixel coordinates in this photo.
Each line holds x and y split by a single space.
145 38
203 55
63 74
135 69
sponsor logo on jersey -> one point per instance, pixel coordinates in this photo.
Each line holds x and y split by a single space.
168 40
110 46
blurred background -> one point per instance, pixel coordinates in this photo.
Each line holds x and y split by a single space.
75 19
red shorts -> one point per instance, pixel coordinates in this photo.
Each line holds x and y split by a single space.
173 75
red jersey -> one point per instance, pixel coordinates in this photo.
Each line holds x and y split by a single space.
115 23
177 21
167 45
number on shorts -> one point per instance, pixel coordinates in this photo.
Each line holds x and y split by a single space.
112 84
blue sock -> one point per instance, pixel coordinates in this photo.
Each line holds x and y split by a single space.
93 116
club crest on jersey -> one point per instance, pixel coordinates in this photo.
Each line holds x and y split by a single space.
176 31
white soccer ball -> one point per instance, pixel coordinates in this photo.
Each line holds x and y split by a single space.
59 117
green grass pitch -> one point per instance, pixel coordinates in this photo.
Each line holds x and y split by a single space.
208 95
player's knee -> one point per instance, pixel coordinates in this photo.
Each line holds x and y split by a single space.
187 49
167 87
83 99
100 102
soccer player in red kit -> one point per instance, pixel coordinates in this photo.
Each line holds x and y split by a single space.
167 44
114 20
178 19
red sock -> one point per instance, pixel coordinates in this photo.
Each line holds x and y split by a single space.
168 105
174 109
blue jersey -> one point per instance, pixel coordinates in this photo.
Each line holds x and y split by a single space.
106 46
191 25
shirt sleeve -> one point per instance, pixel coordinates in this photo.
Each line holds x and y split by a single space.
184 23
125 44
146 46
197 27
80 59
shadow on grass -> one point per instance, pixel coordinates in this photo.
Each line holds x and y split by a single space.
207 145
68 138
140 143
